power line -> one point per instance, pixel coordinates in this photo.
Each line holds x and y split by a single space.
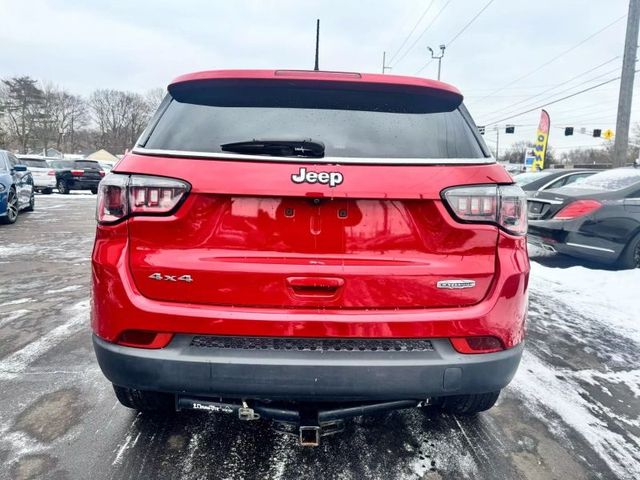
560 55
555 101
460 32
555 86
412 30
574 86
433 20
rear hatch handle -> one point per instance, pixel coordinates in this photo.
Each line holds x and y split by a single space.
315 286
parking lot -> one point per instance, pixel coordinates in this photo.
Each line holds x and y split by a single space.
570 413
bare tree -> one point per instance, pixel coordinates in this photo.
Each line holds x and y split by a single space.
154 97
120 118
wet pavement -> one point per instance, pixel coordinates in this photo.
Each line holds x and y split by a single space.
571 412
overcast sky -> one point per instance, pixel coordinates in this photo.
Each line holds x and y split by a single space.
141 44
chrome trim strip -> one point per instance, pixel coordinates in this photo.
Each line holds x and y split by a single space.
590 247
545 200
328 160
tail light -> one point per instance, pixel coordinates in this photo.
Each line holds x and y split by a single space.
51 172
577 209
477 344
502 205
77 173
121 196
102 173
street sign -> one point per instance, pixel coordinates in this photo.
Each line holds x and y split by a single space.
607 134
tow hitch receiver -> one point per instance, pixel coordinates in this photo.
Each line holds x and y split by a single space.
309 436
309 422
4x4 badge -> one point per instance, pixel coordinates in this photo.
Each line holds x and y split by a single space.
331 178
171 278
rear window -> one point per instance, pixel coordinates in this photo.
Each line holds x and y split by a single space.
87 164
526 178
349 123
616 179
34 162
62 164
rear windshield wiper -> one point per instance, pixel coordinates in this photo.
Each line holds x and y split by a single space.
277 148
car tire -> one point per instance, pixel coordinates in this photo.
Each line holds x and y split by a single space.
630 257
63 188
12 208
469 404
47 191
145 401
32 203
94 190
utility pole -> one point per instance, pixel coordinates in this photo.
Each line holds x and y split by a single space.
384 63
621 144
497 142
438 57
316 67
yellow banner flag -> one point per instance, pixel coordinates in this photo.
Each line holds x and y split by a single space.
542 138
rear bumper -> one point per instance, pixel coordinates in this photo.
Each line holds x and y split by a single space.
41 183
306 375
566 238
77 184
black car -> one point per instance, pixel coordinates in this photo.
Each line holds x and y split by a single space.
597 219
77 175
548 179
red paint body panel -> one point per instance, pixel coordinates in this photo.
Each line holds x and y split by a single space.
318 76
362 260
273 179
119 306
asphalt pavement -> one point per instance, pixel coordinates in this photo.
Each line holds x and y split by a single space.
571 412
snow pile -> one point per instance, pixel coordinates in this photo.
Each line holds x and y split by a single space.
611 297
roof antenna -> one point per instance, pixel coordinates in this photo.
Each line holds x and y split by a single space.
317 43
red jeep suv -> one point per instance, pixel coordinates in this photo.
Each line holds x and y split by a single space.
309 246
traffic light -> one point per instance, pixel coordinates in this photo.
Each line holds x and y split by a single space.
597 133
481 130
568 131
510 129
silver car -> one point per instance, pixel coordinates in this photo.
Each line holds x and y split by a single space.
44 177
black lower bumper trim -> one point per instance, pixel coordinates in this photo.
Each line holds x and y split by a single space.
182 368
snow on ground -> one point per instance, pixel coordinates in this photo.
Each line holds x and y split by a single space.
611 297
543 387
607 300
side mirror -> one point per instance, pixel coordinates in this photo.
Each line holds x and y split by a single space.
20 168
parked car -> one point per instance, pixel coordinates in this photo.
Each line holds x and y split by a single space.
77 175
16 188
44 177
532 182
597 219
287 245
107 167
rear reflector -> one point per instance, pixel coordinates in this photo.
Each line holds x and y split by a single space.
502 205
144 339
477 344
577 209
120 196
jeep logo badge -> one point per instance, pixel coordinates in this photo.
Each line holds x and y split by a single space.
331 178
